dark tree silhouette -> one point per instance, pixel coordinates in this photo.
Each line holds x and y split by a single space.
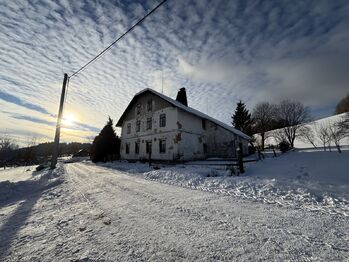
7 147
343 105
344 124
292 116
264 120
242 119
106 146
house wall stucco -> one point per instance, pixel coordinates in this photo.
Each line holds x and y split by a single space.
219 141
156 133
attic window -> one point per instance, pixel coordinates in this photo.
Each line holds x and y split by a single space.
138 109
150 105
128 128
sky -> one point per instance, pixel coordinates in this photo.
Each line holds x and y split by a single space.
221 51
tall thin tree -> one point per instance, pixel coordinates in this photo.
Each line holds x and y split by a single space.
242 119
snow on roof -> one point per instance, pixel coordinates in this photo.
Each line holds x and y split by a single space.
189 110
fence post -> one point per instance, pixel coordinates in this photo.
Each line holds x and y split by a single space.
149 157
240 159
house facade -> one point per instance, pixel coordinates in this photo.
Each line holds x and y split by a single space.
169 130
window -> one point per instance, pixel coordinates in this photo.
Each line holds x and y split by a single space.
162 120
129 128
149 120
138 109
148 147
127 148
138 125
150 105
162 146
137 148
203 122
205 148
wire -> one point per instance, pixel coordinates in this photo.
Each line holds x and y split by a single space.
118 39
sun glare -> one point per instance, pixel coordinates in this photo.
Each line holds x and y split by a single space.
69 119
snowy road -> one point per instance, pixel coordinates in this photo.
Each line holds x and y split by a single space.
100 214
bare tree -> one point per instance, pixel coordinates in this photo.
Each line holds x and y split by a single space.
30 152
278 135
336 135
292 116
343 124
263 116
323 133
306 134
7 146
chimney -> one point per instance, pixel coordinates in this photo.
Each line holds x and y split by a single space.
182 96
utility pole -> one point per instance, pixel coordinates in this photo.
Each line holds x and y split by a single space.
58 126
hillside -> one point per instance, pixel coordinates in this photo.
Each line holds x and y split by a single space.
314 126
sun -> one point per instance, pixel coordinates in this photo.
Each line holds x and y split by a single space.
69 119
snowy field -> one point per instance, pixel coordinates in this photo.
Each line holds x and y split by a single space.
294 207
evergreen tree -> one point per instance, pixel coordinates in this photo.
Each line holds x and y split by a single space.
343 105
242 119
106 146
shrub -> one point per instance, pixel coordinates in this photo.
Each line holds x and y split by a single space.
284 146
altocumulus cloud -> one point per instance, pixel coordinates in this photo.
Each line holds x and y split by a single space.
220 50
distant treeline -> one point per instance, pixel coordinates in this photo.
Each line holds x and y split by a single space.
39 153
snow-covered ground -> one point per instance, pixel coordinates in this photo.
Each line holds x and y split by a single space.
307 179
16 174
294 207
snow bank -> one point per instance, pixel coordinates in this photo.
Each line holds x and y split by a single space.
311 180
37 182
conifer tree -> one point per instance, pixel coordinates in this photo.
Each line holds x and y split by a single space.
242 119
106 146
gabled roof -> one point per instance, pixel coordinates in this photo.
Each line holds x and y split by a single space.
187 109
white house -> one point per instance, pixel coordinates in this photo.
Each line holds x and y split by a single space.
170 130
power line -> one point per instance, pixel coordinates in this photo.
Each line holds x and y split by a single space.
117 40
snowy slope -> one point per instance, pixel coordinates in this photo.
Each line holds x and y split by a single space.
300 143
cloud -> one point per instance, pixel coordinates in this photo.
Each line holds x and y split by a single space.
18 101
221 51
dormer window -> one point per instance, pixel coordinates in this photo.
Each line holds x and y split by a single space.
138 109
150 105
